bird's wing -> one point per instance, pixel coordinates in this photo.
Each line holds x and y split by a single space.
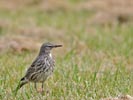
35 67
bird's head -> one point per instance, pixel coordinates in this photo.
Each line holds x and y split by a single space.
47 47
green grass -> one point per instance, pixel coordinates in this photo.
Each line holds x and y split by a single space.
95 64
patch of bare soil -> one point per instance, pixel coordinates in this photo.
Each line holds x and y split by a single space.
126 97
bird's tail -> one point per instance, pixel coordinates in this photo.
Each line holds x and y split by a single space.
22 82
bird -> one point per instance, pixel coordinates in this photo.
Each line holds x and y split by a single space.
41 68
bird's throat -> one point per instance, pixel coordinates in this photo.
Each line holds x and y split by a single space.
50 55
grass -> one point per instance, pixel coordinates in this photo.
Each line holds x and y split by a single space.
95 62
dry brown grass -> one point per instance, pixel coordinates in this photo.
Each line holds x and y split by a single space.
18 44
109 11
46 5
126 97
22 37
27 36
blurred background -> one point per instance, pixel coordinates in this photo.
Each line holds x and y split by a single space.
97 37
71 22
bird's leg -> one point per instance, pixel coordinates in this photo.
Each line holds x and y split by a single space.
35 86
40 90
42 86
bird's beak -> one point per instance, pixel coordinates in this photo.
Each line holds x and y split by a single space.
55 46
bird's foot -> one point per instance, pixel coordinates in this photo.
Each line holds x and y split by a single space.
40 91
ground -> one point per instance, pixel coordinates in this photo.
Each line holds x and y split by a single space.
95 62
